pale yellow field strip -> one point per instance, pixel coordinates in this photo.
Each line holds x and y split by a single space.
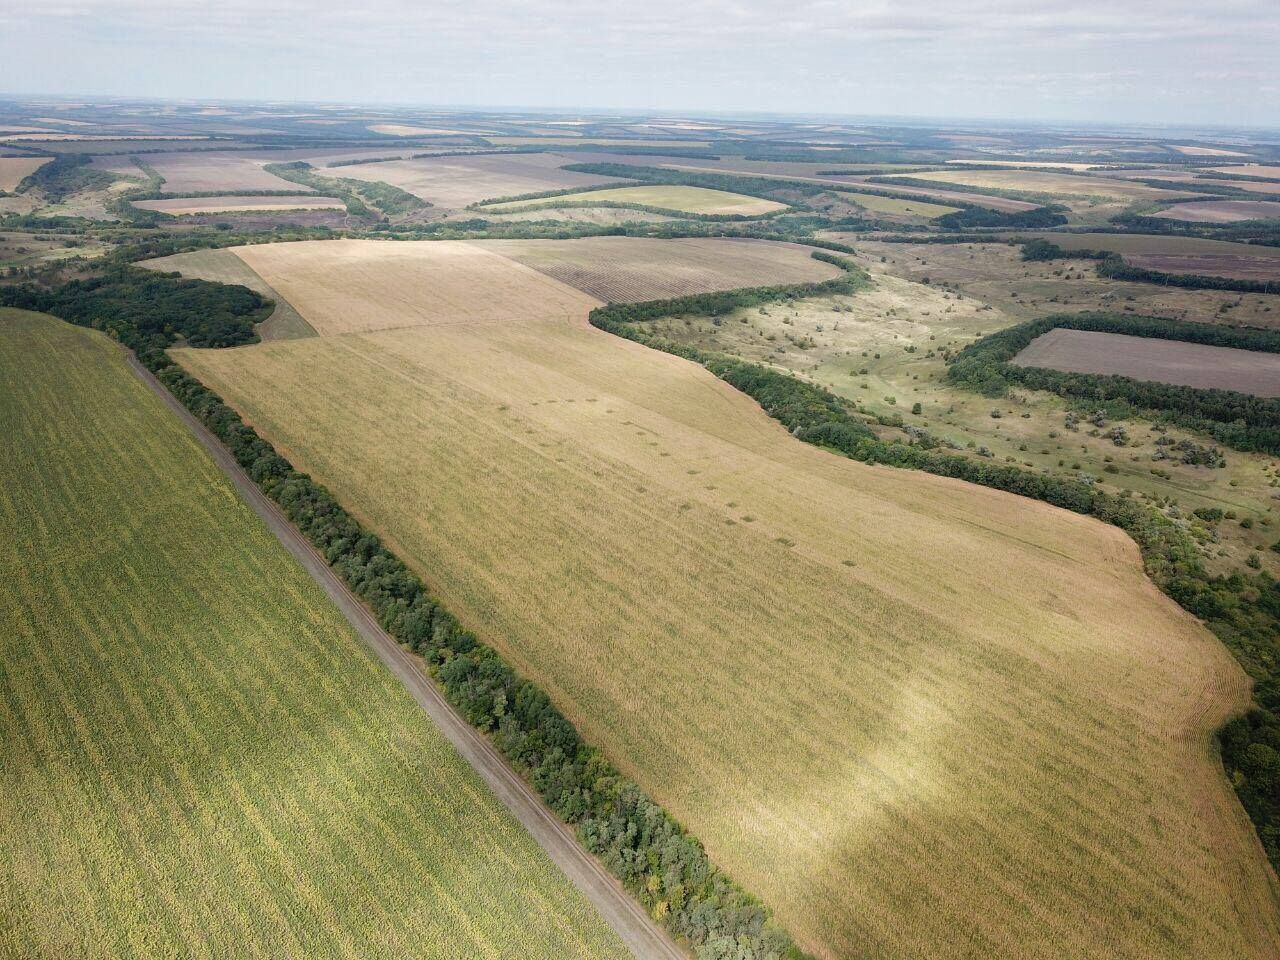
919 718
13 170
179 206
410 130
682 198
1037 181
346 286
1209 152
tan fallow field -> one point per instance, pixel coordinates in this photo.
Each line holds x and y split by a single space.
180 206
1048 182
454 182
916 717
13 170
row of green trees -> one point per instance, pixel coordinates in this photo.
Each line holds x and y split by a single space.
1239 420
659 862
1244 611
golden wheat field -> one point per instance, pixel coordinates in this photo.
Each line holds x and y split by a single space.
198 757
13 170
346 286
918 718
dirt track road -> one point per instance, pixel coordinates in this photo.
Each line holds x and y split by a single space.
642 936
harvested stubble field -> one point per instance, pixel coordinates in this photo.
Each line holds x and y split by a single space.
1240 268
1147 244
616 269
223 266
1250 170
13 170
348 286
919 718
178 206
202 172
669 197
1222 211
1058 184
198 757
455 182
1164 361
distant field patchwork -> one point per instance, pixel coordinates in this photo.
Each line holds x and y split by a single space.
668 197
198 757
1146 358
917 717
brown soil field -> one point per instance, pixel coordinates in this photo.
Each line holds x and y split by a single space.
223 266
1152 243
1240 268
13 170
1164 361
189 205
1259 187
1222 211
616 269
1250 170
917 717
1058 184
347 286
203 172
454 182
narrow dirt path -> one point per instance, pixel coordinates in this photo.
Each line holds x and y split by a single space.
645 939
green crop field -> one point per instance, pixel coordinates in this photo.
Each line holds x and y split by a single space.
198 758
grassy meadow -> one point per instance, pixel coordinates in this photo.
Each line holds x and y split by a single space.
916 717
198 757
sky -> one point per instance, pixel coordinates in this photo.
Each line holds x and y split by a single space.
1140 61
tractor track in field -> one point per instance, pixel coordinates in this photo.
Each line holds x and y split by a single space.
642 936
